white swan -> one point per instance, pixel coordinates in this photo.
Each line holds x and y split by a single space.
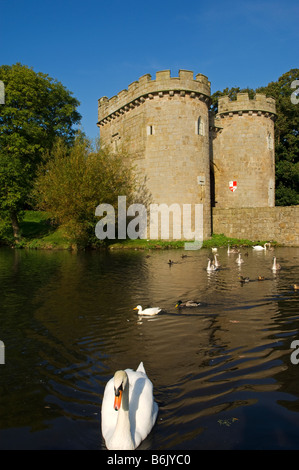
211 266
275 266
128 409
216 262
147 311
259 247
239 260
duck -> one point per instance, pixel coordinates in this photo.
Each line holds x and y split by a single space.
187 304
275 266
296 286
232 250
260 278
239 260
211 266
259 247
148 311
171 262
129 410
270 248
244 279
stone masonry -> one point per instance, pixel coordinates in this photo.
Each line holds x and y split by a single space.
188 156
164 125
280 224
242 151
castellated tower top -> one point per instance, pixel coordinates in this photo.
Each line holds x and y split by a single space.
146 88
260 104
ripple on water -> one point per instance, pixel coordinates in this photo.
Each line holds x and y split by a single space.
222 374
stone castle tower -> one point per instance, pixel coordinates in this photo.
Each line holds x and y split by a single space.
242 152
166 127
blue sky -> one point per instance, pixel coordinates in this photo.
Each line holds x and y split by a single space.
97 48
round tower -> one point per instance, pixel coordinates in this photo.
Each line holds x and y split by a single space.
164 126
243 152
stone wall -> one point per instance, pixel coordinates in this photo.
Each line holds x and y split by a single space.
280 224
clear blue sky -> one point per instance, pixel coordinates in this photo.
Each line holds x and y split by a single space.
97 48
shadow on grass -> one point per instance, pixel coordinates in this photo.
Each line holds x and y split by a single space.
31 229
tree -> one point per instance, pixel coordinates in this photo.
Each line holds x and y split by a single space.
74 181
37 110
286 138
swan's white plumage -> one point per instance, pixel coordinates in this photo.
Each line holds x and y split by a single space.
275 266
126 430
239 260
259 247
211 266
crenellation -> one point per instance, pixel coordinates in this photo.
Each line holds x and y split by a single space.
163 84
144 79
200 77
122 95
162 75
186 75
260 104
132 87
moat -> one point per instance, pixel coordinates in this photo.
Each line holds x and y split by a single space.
222 374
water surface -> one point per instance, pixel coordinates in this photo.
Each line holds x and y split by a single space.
222 374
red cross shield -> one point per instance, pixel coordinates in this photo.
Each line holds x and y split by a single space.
233 185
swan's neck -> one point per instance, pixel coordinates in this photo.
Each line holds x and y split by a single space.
122 437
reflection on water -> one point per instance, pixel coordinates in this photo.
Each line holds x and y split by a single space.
222 373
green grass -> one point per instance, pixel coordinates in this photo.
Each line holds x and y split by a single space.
39 232
36 225
145 244
217 240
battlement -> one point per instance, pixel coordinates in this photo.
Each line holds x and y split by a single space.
260 104
146 88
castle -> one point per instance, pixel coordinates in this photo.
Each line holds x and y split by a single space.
189 155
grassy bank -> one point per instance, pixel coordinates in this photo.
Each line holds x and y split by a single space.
38 232
217 240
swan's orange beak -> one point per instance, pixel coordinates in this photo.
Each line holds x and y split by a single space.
117 400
